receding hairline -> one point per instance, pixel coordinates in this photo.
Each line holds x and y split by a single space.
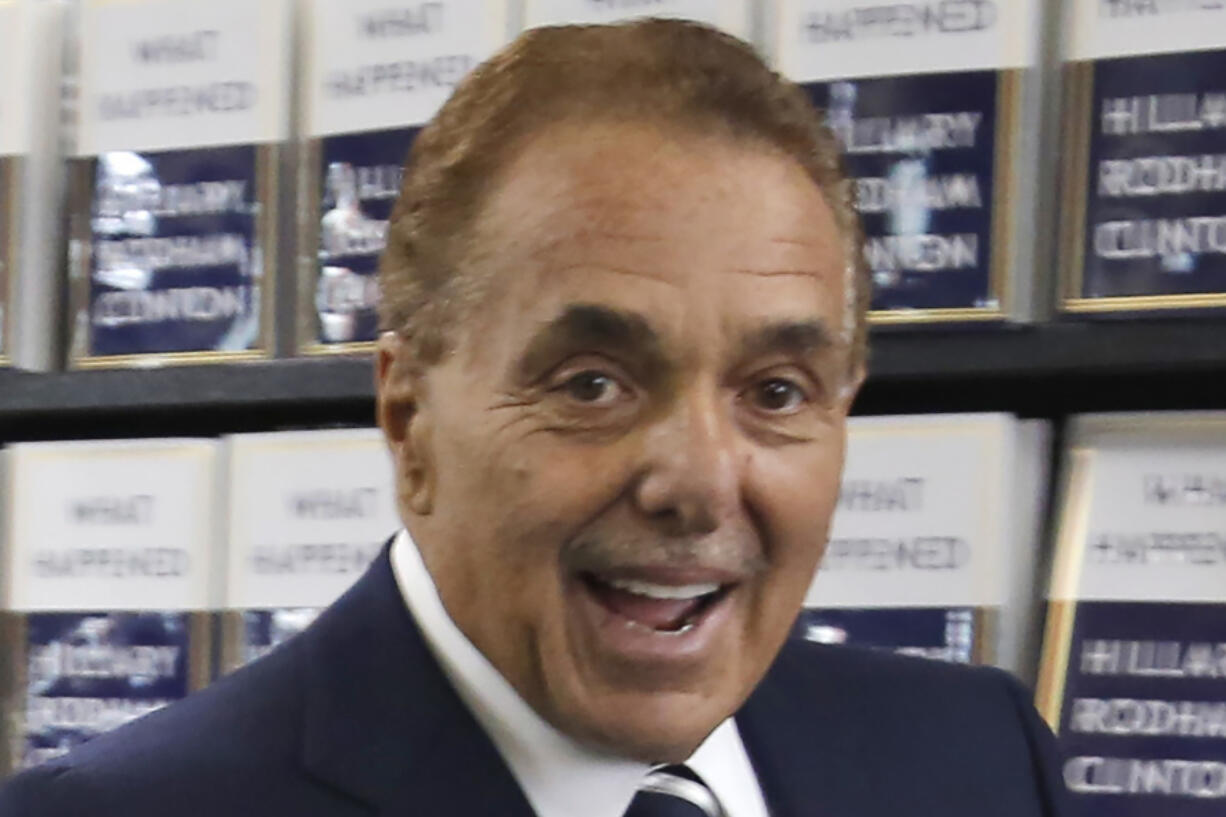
690 135
661 73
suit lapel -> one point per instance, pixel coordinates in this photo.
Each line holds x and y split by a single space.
382 722
801 740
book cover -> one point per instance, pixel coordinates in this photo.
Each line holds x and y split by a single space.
31 182
940 116
307 512
372 76
106 586
1133 678
933 547
182 109
1144 167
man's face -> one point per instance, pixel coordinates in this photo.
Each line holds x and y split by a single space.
622 479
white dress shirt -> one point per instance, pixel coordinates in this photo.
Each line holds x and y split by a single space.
560 777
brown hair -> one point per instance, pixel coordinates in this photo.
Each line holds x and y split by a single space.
663 71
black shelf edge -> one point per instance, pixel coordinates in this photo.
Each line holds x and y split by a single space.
1042 370
1104 348
231 385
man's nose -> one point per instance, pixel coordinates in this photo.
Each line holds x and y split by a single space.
690 481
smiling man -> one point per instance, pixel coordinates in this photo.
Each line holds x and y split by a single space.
624 310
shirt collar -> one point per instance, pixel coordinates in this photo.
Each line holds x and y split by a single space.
559 776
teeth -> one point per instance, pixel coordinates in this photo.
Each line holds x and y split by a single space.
664 591
684 628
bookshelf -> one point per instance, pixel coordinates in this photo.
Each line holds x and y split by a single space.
1046 370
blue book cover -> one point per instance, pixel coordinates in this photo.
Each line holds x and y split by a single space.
177 254
265 630
1134 655
941 119
1143 719
921 150
354 180
89 673
1151 183
943 633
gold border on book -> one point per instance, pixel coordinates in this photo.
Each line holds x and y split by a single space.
362 347
307 261
9 174
1130 303
233 640
1075 175
1001 231
1078 119
199 650
1053 665
985 647
13 669
1071 532
81 238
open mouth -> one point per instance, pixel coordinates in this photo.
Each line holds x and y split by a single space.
667 609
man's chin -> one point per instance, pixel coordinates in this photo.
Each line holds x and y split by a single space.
664 728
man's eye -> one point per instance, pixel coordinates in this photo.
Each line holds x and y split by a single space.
593 387
777 395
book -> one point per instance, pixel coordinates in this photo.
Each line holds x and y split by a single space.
1144 168
733 16
1133 676
940 114
935 542
106 585
181 114
307 512
372 76
31 182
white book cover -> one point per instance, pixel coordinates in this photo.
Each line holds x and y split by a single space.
31 181
307 512
106 575
181 112
933 545
1134 656
1108 29
941 114
371 76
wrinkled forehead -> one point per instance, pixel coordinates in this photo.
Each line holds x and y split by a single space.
663 203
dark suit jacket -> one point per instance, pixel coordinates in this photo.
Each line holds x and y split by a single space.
354 717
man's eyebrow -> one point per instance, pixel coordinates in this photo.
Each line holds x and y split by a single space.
590 326
798 338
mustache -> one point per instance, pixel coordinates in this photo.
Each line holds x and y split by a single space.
599 554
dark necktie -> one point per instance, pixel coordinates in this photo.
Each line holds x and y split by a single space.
674 791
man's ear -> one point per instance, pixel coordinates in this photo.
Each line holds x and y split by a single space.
851 387
399 393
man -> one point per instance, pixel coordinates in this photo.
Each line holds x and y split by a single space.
625 306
